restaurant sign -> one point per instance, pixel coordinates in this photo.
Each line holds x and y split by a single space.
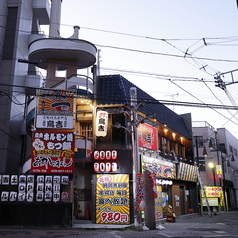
55 109
112 199
52 152
147 136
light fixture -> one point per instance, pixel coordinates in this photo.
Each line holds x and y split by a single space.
211 165
204 151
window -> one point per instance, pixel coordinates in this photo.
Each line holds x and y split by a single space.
164 144
86 130
230 149
235 152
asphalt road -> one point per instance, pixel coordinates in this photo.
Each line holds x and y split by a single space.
224 224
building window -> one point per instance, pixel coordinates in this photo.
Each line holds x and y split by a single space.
235 152
86 130
230 149
198 140
164 144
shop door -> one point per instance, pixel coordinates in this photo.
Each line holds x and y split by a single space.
176 200
182 200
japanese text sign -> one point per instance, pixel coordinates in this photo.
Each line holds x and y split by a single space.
112 199
55 102
147 136
101 123
52 152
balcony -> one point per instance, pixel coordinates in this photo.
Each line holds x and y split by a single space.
76 81
45 50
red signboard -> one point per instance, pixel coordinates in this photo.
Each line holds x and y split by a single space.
147 136
52 152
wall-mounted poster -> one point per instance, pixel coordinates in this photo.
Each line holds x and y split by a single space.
113 199
52 152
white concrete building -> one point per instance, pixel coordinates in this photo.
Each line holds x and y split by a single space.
215 151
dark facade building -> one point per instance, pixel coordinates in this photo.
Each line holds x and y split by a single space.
82 146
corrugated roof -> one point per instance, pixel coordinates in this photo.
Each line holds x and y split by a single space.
115 89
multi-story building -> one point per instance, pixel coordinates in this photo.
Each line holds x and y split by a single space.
81 144
216 154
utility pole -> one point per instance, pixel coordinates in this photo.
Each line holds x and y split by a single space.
135 152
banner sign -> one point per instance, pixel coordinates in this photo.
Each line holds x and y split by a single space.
52 152
187 172
160 167
57 122
140 203
147 136
112 199
159 203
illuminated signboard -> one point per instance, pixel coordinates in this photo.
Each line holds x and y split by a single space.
160 167
187 172
212 194
219 171
101 123
113 199
105 161
52 152
55 109
147 136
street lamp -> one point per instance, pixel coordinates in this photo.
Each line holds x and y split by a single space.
211 165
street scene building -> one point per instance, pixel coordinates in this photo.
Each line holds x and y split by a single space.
216 152
93 147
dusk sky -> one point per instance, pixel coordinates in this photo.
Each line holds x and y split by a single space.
171 49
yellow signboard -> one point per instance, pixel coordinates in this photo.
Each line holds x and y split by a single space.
214 192
112 199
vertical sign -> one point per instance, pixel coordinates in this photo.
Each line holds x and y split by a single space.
159 203
101 123
112 199
147 136
219 171
140 193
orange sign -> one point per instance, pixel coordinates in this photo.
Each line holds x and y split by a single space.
55 102
113 199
